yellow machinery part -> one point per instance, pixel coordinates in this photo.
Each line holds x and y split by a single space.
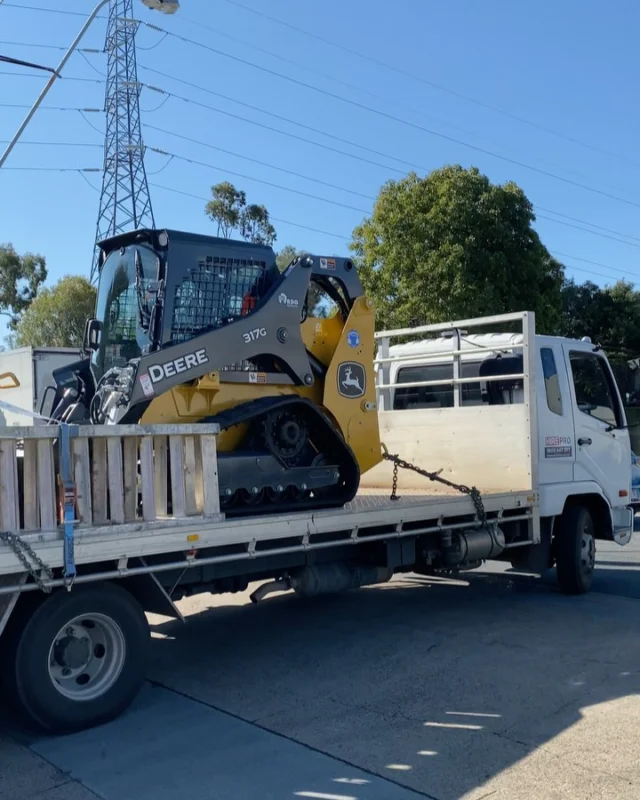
357 417
327 340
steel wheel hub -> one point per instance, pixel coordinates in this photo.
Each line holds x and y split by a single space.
86 657
588 552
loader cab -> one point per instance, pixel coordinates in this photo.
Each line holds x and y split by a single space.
159 288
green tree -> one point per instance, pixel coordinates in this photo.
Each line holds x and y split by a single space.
226 207
286 256
255 225
20 278
57 316
609 316
454 245
229 210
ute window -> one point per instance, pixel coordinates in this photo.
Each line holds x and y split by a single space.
439 395
594 388
551 380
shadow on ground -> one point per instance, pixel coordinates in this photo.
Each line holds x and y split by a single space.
439 686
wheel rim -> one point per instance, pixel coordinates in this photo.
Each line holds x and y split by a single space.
86 657
587 552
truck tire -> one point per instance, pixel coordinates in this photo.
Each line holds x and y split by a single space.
79 659
575 550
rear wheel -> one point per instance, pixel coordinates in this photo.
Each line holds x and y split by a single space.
575 550
79 659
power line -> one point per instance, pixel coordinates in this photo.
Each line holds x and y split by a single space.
316 130
594 263
297 65
406 73
54 169
56 144
305 66
281 169
61 77
53 108
600 274
168 94
50 10
586 230
256 180
171 156
350 155
280 117
275 219
51 46
585 222
258 161
20 63
95 69
347 238
87 181
386 115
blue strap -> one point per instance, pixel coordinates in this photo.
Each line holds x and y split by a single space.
69 499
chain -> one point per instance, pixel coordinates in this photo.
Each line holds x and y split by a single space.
471 491
24 552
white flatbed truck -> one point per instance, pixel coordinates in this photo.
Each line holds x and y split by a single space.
99 524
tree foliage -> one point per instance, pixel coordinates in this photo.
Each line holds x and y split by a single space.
225 207
454 245
610 316
229 210
286 256
57 316
255 225
20 278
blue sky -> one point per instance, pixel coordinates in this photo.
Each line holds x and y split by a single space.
565 65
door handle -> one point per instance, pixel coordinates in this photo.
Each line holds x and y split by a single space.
583 442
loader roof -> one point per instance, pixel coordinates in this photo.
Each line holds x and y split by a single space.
264 252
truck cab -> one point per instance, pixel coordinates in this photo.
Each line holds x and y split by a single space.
575 417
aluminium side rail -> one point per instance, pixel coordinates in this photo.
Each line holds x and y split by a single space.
456 331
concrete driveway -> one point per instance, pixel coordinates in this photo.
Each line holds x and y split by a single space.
492 688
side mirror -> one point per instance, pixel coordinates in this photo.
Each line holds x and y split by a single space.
92 335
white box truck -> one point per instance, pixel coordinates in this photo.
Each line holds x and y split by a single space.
32 366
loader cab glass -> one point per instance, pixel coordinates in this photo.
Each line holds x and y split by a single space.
124 305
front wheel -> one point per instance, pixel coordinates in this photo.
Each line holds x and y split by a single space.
575 550
79 659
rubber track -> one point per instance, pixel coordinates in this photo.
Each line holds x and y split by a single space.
247 412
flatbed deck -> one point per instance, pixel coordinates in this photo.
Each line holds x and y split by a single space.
370 516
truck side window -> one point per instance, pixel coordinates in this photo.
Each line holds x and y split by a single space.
439 395
551 382
595 392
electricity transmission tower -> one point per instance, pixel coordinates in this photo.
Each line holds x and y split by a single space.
125 203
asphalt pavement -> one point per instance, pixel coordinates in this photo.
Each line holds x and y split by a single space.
493 687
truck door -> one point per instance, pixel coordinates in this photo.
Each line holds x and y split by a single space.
555 415
602 447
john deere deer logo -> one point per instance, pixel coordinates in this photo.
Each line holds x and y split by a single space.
352 379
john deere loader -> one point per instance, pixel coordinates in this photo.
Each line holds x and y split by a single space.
196 328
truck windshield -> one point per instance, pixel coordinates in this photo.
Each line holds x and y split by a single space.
124 334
